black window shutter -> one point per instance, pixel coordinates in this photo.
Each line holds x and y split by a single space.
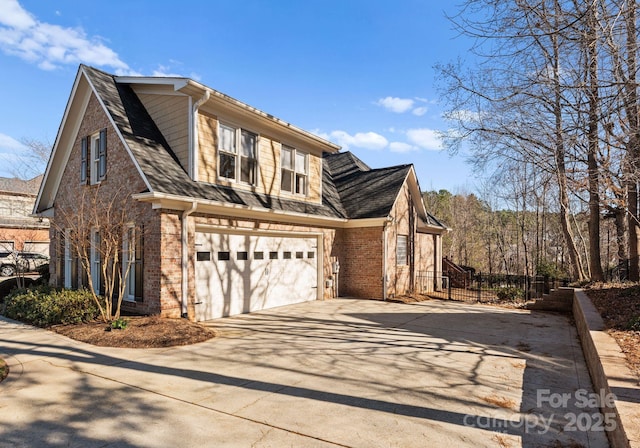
102 166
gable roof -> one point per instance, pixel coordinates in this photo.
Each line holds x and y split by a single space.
365 192
350 190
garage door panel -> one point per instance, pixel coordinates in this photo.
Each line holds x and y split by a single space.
247 273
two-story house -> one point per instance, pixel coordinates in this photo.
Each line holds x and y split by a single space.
242 211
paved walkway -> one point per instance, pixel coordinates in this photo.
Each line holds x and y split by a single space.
321 374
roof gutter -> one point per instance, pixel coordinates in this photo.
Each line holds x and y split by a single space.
185 258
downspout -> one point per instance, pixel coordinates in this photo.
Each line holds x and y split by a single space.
384 257
193 163
185 258
193 167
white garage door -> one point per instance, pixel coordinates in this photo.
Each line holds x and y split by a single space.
243 273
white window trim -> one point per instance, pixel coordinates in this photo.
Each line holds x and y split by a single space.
94 158
127 254
295 172
95 261
405 261
237 154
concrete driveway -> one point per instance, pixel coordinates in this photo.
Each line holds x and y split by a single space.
320 374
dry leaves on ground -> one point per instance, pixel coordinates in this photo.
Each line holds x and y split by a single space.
141 332
618 305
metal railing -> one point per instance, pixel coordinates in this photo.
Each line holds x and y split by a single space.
485 287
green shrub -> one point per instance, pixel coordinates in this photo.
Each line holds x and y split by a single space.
43 306
634 324
119 324
510 293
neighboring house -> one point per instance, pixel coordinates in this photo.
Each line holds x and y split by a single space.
242 210
18 230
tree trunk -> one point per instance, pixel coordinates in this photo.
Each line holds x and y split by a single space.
631 100
595 262
561 172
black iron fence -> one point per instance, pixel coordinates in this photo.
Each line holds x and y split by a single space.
485 287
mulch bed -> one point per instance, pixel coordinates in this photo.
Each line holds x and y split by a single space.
141 332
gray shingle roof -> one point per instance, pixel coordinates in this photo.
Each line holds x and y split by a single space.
15 185
351 189
365 192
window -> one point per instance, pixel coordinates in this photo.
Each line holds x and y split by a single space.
96 276
242 255
132 259
273 255
286 255
402 253
237 149
258 255
311 255
93 164
203 256
299 255
67 259
224 256
294 171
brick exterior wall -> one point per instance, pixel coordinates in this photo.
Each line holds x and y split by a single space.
361 257
122 177
21 239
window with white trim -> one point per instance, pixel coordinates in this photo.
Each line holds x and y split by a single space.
132 253
96 261
294 170
402 252
68 259
237 154
93 158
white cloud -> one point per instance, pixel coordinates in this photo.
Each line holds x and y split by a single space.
394 104
51 46
419 111
401 147
366 140
160 73
425 138
9 144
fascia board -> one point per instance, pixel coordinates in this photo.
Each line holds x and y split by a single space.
177 83
173 202
55 167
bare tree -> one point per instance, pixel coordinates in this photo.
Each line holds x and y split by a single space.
101 230
34 161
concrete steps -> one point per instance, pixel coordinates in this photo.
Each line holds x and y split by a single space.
558 300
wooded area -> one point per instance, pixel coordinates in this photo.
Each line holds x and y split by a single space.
549 108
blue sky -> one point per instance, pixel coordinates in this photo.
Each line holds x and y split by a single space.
357 72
